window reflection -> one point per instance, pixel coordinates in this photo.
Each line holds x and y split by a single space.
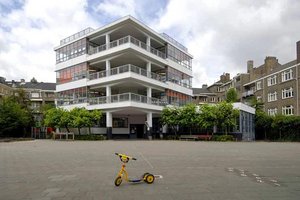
70 51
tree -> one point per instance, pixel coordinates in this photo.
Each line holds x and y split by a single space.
94 116
207 117
13 118
81 117
226 116
33 80
257 104
263 122
231 95
170 117
58 117
188 116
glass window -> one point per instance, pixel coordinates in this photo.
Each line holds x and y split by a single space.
71 51
120 122
288 110
287 75
272 80
272 111
258 85
272 96
287 93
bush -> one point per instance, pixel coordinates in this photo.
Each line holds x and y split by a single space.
172 137
90 137
223 138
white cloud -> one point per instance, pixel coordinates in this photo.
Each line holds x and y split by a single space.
223 35
117 8
35 30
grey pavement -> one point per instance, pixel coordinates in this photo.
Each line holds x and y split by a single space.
46 169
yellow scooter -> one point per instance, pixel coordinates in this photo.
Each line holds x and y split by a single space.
147 177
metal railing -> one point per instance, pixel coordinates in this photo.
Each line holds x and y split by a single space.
126 97
127 68
76 35
125 40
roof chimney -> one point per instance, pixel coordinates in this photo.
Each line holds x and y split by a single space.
249 65
204 86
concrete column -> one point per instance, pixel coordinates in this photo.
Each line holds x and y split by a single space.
107 40
149 125
108 94
149 94
109 125
107 67
148 41
148 69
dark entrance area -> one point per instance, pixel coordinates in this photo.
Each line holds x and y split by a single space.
136 131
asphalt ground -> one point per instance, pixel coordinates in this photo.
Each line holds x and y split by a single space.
47 169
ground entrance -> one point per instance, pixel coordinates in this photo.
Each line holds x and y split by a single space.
137 131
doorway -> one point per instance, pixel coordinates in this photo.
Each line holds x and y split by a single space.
137 131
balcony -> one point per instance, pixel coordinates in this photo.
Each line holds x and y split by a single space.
248 93
125 98
124 69
125 40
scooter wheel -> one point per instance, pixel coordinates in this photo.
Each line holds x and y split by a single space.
118 181
149 179
144 176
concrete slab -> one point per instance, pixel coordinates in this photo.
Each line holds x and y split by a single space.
47 169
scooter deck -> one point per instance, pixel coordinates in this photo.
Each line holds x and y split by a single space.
135 181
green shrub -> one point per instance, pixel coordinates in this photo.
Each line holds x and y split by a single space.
223 138
90 137
172 137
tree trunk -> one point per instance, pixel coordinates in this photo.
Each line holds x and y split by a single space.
89 130
265 134
67 129
280 134
79 131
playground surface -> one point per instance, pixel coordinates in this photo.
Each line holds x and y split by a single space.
47 169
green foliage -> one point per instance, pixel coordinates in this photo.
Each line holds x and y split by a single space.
226 116
257 104
263 122
223 138
90 137
77 118
58 117
170 116
231 95
208 116
14 118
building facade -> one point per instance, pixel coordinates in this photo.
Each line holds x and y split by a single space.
275 85
126 70
38 94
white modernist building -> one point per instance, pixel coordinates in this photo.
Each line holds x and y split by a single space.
126 70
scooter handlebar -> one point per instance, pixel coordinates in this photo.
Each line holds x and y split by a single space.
125 156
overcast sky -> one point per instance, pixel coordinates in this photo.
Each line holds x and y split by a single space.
221 35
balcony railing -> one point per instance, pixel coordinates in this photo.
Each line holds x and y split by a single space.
126 97
124 69
125 40
248 93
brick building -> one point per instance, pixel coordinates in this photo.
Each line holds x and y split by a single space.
274 84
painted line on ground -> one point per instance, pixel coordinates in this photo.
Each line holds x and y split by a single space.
146 160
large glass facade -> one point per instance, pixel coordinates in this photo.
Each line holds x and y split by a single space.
179 56
179 78
71 73
74 96
72 50
176 98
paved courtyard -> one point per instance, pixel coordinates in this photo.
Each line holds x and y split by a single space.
46 169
